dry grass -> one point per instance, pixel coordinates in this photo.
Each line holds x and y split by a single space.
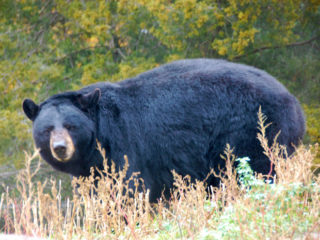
287 209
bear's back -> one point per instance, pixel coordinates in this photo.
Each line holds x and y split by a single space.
210 71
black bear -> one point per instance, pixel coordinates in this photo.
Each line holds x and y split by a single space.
178 116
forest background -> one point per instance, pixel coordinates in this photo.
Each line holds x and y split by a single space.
50 46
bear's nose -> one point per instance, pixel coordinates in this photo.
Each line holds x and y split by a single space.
60 148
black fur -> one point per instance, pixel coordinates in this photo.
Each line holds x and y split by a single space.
178 116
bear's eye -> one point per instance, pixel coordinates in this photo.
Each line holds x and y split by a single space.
47 130
69 127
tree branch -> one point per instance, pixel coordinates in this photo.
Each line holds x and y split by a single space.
70 54
279 46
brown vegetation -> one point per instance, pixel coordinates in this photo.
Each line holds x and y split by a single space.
287 209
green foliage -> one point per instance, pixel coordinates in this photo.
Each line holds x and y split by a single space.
313 123
246 175
52 46
313 126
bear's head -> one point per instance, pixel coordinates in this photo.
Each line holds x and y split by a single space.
64 126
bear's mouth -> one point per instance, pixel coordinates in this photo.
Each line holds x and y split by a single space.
62 157
61 145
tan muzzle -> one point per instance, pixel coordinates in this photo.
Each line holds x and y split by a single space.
61 145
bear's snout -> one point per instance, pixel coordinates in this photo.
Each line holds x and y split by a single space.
60 148
61 145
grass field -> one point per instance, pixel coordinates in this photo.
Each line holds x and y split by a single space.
245 206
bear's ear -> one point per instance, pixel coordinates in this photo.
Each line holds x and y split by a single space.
90 99
30 109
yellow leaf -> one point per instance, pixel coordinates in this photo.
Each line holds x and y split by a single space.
93 41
